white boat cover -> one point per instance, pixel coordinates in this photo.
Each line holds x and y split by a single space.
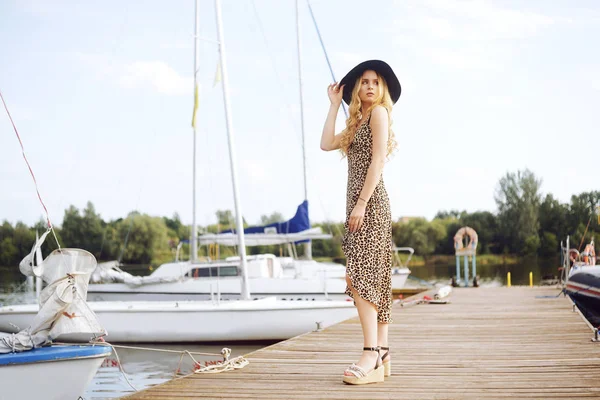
110 272
263 239
63 308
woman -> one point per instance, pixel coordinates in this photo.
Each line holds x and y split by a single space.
369 89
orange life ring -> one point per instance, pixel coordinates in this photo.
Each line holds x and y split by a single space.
460 234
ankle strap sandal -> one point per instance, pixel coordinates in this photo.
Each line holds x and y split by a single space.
387 365
360 376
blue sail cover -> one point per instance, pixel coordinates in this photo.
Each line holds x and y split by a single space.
298 223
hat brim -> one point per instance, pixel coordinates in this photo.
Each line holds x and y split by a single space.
382 68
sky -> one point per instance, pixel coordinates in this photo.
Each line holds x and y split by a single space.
102 96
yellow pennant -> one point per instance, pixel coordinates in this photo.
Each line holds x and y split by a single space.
195 106
217 74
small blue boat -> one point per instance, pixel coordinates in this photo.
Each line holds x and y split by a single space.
55 372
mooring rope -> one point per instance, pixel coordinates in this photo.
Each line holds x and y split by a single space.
228 364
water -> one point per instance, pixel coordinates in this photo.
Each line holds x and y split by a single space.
146 368
490 274
142 367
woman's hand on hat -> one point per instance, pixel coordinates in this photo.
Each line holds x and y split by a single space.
335 93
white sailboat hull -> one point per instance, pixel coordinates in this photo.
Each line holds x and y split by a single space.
225 288
158 321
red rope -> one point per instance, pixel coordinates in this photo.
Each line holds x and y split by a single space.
25 157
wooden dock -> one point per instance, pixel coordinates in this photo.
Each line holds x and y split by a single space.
488 343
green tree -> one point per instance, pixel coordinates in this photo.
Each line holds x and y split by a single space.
548 244
581 211
486 225
329 248
83 231
553 217
270 219
8 252
451 225
147 241
452 214
23 240
518 200
111 243
225 219
419 234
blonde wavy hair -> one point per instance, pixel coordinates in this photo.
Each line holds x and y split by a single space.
355 116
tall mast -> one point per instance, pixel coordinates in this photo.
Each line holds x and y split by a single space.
307 246
194 238
232 156
301 102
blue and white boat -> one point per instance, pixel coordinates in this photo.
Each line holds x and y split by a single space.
61 372
31 366
583 283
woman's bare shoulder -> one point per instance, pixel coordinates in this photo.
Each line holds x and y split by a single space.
379 112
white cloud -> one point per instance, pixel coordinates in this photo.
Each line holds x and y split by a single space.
59 8
156 74
501 100
466 20
39 7
456 33
479 20
462 58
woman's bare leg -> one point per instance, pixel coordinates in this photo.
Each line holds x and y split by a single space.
382 338
367 313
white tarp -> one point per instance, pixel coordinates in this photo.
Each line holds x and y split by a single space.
263 239
111 273
63 308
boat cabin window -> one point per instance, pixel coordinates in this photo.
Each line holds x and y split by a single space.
209 272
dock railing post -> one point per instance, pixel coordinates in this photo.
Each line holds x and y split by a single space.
466 270
458 270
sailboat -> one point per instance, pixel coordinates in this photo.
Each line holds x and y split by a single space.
198 321
288 278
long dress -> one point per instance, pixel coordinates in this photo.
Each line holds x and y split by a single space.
369 250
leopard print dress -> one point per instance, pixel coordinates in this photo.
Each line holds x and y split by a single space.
369 250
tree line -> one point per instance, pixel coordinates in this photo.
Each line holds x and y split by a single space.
526 223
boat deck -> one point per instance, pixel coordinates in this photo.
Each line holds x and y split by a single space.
487 343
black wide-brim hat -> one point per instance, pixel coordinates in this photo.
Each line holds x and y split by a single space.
382 68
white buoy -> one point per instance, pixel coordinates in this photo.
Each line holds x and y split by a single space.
442 292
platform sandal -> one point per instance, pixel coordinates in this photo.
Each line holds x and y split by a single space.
387 365
360 376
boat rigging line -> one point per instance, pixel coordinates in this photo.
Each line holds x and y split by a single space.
50 227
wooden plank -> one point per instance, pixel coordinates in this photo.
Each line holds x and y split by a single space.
487 343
